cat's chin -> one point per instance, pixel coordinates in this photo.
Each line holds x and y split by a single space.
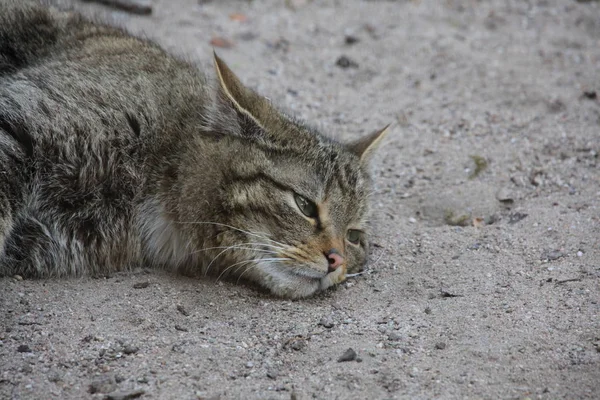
297 283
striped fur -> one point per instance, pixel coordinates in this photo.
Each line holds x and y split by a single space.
114 154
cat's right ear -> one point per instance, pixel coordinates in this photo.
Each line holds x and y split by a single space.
366 146
245 101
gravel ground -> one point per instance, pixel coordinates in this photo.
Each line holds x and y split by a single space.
485 272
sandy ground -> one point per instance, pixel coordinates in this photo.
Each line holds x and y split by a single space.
485 272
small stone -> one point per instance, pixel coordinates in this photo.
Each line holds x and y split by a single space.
130 349
579 253
394 336
505 195
552 255
54 376
24 349
326 322
298 345
349 355
182 310
178 348
249 364
440 345
104 384
272 374
516 217
345 63
412 220
125 395
87 339
350 39
18 277
141 285
181 328
427 310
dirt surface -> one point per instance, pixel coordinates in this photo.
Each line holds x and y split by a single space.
485 272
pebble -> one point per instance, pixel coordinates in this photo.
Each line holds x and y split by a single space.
182 310
18 277
516 217
349 355
181 328
552 255
105 384
130 349
272 374
298 345
326 322
345 63
394 336
24 349
350 39
133 394
141 285
505 195
580 253
440 345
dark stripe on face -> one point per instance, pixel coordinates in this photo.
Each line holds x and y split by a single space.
261 177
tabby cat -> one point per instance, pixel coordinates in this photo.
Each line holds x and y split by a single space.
115 154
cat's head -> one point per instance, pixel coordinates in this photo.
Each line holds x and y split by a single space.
292 201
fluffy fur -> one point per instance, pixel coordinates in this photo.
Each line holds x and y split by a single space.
114 154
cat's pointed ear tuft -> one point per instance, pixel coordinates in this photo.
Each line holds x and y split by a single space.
366 146
245 100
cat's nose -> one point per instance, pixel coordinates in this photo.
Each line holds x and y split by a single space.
335 259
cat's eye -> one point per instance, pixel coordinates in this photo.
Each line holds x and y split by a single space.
353 236
307 207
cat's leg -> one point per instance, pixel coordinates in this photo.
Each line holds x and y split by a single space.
35 249
12 187
16 148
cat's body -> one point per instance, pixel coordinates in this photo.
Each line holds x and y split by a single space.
114 154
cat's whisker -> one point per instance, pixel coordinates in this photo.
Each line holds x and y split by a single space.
260 235
218 224
256 265
233 247
249 261
376 261
237 246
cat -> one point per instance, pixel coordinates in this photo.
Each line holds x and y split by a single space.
116 155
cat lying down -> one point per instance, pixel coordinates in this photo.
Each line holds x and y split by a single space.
115 154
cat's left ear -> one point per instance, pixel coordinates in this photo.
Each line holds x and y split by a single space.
365 147
244 100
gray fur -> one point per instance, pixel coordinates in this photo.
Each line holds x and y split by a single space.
114 154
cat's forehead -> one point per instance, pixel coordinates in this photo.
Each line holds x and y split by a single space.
327 167
343 184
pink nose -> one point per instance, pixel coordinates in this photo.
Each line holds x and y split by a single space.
334 259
